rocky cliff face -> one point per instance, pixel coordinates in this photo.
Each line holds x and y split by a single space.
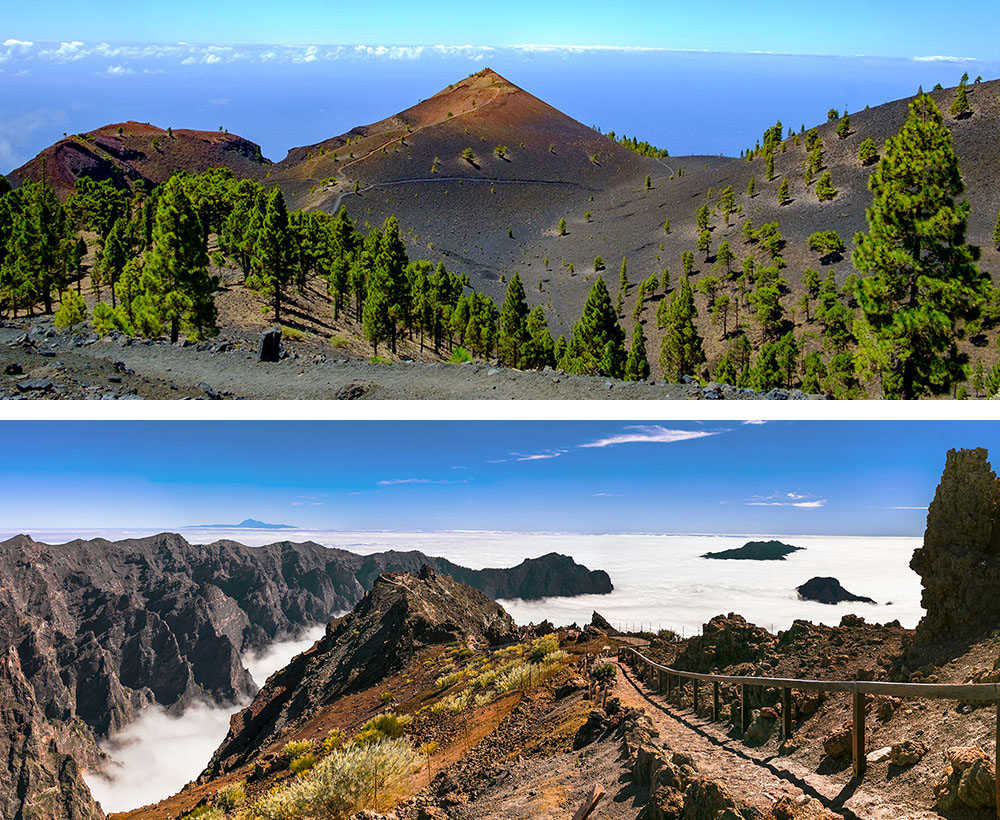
43 779
100 629
402 614
959 562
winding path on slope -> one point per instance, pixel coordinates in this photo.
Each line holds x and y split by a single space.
754 775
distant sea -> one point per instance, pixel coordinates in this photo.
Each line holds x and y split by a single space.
660 580
689 102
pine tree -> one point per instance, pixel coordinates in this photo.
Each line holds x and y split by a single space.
561 228
922 278
996 233
844 127
114 256
390 268
513 324
273 261
960 108
824 188
769 166
783 191
598 342
681 352
751 186
637 364
705 243
724 257
701 218
868 151
177 290
540 349
623 278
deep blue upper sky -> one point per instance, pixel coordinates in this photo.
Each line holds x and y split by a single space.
916 28
861 478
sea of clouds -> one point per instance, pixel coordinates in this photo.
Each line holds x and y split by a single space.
661 581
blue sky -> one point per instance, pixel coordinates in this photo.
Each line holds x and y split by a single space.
849 27
852 478
695 78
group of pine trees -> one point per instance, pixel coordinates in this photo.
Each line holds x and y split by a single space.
896 326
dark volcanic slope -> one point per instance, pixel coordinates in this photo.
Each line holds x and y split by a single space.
130 151
99 629
402 614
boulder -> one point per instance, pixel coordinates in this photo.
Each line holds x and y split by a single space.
726 640
907 752
597 723
879 755
967 780
269 349
665 803
838 742
706 799
761 727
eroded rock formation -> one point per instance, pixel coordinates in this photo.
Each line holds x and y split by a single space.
959 562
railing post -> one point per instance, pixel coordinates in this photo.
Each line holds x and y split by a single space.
694 695
786 713
744 709
859 734
715 701
996 762
670 685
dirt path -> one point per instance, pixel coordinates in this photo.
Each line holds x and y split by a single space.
757 776
52 364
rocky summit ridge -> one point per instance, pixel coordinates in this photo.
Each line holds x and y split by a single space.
402 614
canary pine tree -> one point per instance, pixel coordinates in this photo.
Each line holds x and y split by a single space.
177 290
920 277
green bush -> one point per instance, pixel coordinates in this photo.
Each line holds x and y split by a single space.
460 356
230 797
303 763
543 646
343 783
72 310
294 748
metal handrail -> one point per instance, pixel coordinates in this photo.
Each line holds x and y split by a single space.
947 691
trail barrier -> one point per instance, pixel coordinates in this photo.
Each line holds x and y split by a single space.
663 679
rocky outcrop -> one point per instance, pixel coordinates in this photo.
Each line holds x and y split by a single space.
401 615
725 640
42 779
959 562
828 591
967 780
756 551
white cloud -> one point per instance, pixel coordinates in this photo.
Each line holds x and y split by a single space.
650 434
900 507
942 59
755 421
389 482
212 58
542 456
12 43
805 501
607 495
118 71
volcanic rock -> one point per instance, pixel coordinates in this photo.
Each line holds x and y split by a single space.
828 591
725 640
959 562
756 551
967 780
401 615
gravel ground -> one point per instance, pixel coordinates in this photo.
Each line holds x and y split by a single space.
39 361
